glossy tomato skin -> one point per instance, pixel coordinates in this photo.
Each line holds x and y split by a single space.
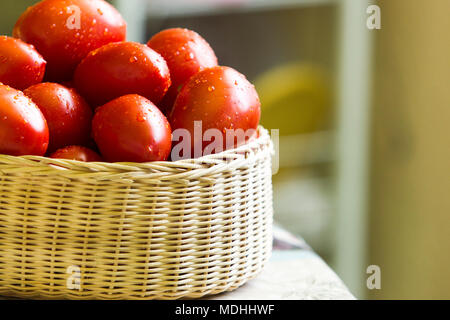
68 115
21 65
132 129
119 69
186 53
221 98
23 128
52 27
78 153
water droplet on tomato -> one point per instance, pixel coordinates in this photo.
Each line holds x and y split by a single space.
190 56
141 117
211 88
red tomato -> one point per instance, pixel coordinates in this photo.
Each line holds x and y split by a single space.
122 68
68 115
221 98
23 129
77 153
186 53
21 65
65 31
67 84
132 129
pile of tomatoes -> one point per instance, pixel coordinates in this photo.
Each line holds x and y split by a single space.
72 87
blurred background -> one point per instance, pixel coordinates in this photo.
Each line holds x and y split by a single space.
364 115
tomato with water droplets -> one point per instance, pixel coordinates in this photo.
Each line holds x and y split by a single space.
21 65
68 115
222 99
65 31
119 69
78 153
23 128
131 129
186 53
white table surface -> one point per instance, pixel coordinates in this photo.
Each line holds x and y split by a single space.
292 275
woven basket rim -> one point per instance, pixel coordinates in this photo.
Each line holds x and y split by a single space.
226 159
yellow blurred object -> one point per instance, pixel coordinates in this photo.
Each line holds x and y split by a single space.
295 98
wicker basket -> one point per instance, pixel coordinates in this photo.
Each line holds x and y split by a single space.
161 230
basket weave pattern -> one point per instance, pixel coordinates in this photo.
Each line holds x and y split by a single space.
162 230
